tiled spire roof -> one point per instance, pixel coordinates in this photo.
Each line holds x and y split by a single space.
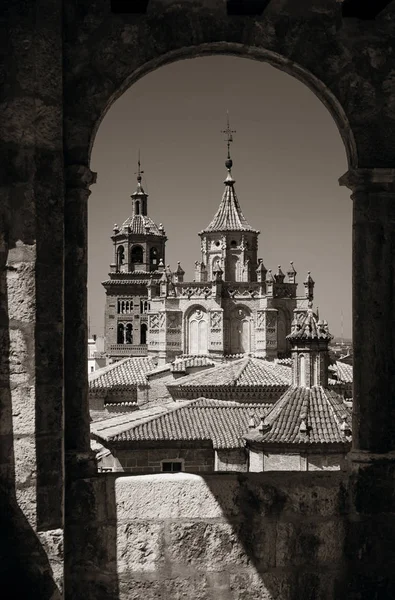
306 416
229 216
307 326
142 224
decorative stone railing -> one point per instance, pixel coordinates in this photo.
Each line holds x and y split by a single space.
128 349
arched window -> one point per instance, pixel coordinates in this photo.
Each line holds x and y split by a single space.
121 334
136 255
240 331
153 256
137 207
233 274
302 371
143 333
197 331
129 334
215 263
120 257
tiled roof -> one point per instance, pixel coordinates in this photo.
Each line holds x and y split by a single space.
323 412
344 372
188 362
229 216
142 224
123 375
222 422
246 371
110 426
184 362
306 326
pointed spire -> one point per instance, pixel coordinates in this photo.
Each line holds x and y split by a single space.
229 216
309 286
261 271
279 276
291 273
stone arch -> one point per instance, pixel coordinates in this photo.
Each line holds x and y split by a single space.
196 330
243 50
215 261
143 333
120 333
137 255
120 257
240 330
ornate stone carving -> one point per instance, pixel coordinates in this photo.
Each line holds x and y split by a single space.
260 321
216 319
271 320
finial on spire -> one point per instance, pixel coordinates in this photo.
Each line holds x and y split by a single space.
139 171
229 138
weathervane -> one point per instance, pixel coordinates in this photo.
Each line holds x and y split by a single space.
139 171
228 131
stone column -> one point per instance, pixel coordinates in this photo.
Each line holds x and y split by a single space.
373 195
370 554
79 458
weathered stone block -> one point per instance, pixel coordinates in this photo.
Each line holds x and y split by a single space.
206 546
307 542
140 546
165 497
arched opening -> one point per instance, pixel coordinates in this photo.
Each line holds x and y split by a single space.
121 333
129 334
302 370
137 207
234 270
136 255
197 328
120 257
215 263
143 333
240 331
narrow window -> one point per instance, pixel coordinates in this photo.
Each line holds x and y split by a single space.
172 466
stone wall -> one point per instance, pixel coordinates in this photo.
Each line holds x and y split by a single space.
231 460
212 537
149 460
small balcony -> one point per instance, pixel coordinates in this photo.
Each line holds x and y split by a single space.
127 349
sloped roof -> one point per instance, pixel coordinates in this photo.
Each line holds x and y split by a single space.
324 413
107 428
123 375
229 216
344 372
306 326
184 362
222 422
247 371
142 225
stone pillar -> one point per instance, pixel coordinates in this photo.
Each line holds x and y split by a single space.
373 195
370 554
79 458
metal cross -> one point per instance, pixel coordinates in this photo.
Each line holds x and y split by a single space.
139 171
228 131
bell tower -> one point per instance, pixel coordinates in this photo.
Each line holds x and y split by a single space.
139 253
229 241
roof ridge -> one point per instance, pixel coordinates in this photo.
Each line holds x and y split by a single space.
243 365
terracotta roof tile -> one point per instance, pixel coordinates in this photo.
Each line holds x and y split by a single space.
123 375
138 224
244 372
221 422
324 412
229 216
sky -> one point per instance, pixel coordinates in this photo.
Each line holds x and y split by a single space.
287 158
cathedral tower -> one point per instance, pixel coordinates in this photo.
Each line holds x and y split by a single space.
229 241
139 253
